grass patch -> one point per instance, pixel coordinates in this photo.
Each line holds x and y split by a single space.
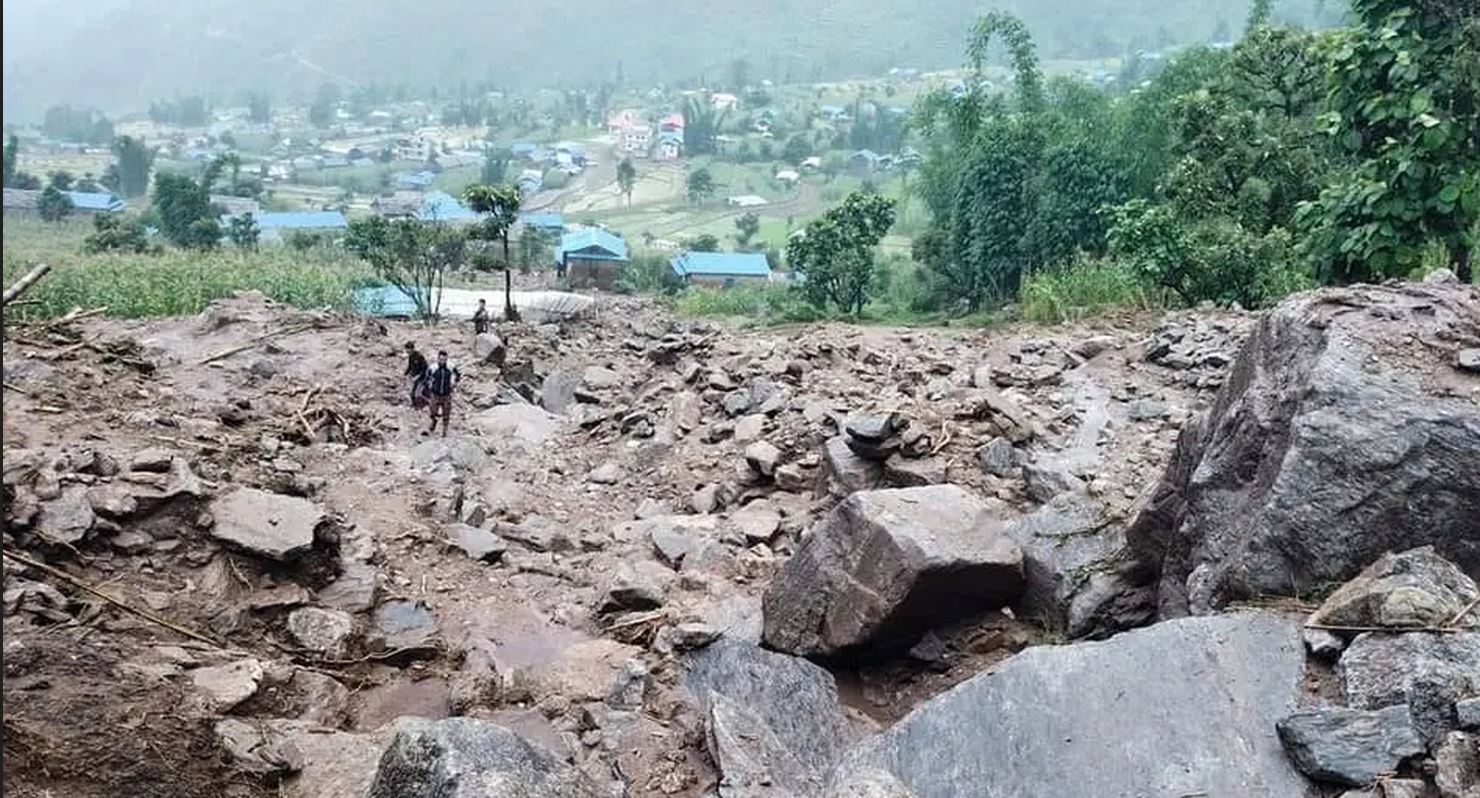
760 305
1083 289
176 282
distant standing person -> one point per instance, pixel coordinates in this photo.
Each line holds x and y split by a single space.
416 369
480 318
441 379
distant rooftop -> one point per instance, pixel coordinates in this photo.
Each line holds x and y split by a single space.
721 264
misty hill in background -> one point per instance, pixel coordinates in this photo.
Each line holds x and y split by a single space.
118 55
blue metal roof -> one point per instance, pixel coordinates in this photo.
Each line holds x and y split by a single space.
439 206
545 221
671 135
610 247
722 264
89 201
303 220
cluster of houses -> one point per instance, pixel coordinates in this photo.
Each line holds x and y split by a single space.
636 137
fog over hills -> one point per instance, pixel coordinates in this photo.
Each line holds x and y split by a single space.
118 54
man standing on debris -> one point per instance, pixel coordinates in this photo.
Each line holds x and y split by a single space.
480 318
416 369
440 380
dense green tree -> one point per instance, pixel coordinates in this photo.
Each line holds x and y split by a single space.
53 205
89 184
61 179
836 251
798 148
704 242
114 232
746 226
626 178
185 215
495 171
1405 105
702 124
700 185
79 125
409 255
129 173
243 231
500 208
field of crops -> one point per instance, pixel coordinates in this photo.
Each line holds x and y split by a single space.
170 283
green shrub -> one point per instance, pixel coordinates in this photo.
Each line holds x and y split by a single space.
1084 288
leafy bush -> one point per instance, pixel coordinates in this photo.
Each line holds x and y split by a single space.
1084 288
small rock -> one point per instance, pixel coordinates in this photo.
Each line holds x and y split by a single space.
269 525
763 457
705 500
1467 711
1411 589
1457 766
999 458
225 686
793 478
154 460
1145 410
1092 346
1469 360
847 470
629 590
324 632
67 518
671 545
113 501
1323 645
1348 746
405 624
480 544
1047 480
605 474
757 522
901 472
489 348
737 403
874 428
598 378
693 635
750 428
258 747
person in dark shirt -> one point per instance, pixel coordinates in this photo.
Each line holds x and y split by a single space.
416 369
480 318
441 379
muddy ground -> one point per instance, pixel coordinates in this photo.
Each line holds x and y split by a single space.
646 425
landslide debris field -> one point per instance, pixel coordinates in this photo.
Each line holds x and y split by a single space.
660 557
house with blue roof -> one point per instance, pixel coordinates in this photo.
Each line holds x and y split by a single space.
864 163
94 202
722 268
669 145
414 181
439 206
548 221
591 257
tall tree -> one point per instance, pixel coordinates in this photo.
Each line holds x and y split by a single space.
243 231
626 178
130 168
185 214
700 185
746 226
409 255
61 179
836 252
500 208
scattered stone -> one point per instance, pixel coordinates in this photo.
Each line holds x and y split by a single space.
598 378
1047 480
671 544
1094 345
324 632
763 458
847 471
705 499
467 758
1413 589
112 500
885 567
1468 360
463 453
259 748
737 403
154 460
1457 766
774 723
480 544
1467 713
1427 671
225 686
629 590
750 428
405 625
537 533
1325 418
693 635
67 518
874 428
999 458
1145 410
900 472
1348 746
1071 721
605 474
266 524
523 425
489 349
757 522
793 478
354 590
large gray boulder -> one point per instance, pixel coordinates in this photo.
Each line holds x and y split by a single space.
467 758
1427 671
1186 707
1328 445
886 566
1351 747
266 524
774 723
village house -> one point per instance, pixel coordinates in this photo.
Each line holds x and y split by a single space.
669 146
637 139
721 268
25 202
723 101
617 123
441 207
236 206
591 258
547 221
863 163
788 177
412 148
673 122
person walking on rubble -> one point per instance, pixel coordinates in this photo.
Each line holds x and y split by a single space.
441 380
416 369
480 318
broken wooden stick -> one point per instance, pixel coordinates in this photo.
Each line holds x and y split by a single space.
17 389
20 286
78 583
256 342
75 314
